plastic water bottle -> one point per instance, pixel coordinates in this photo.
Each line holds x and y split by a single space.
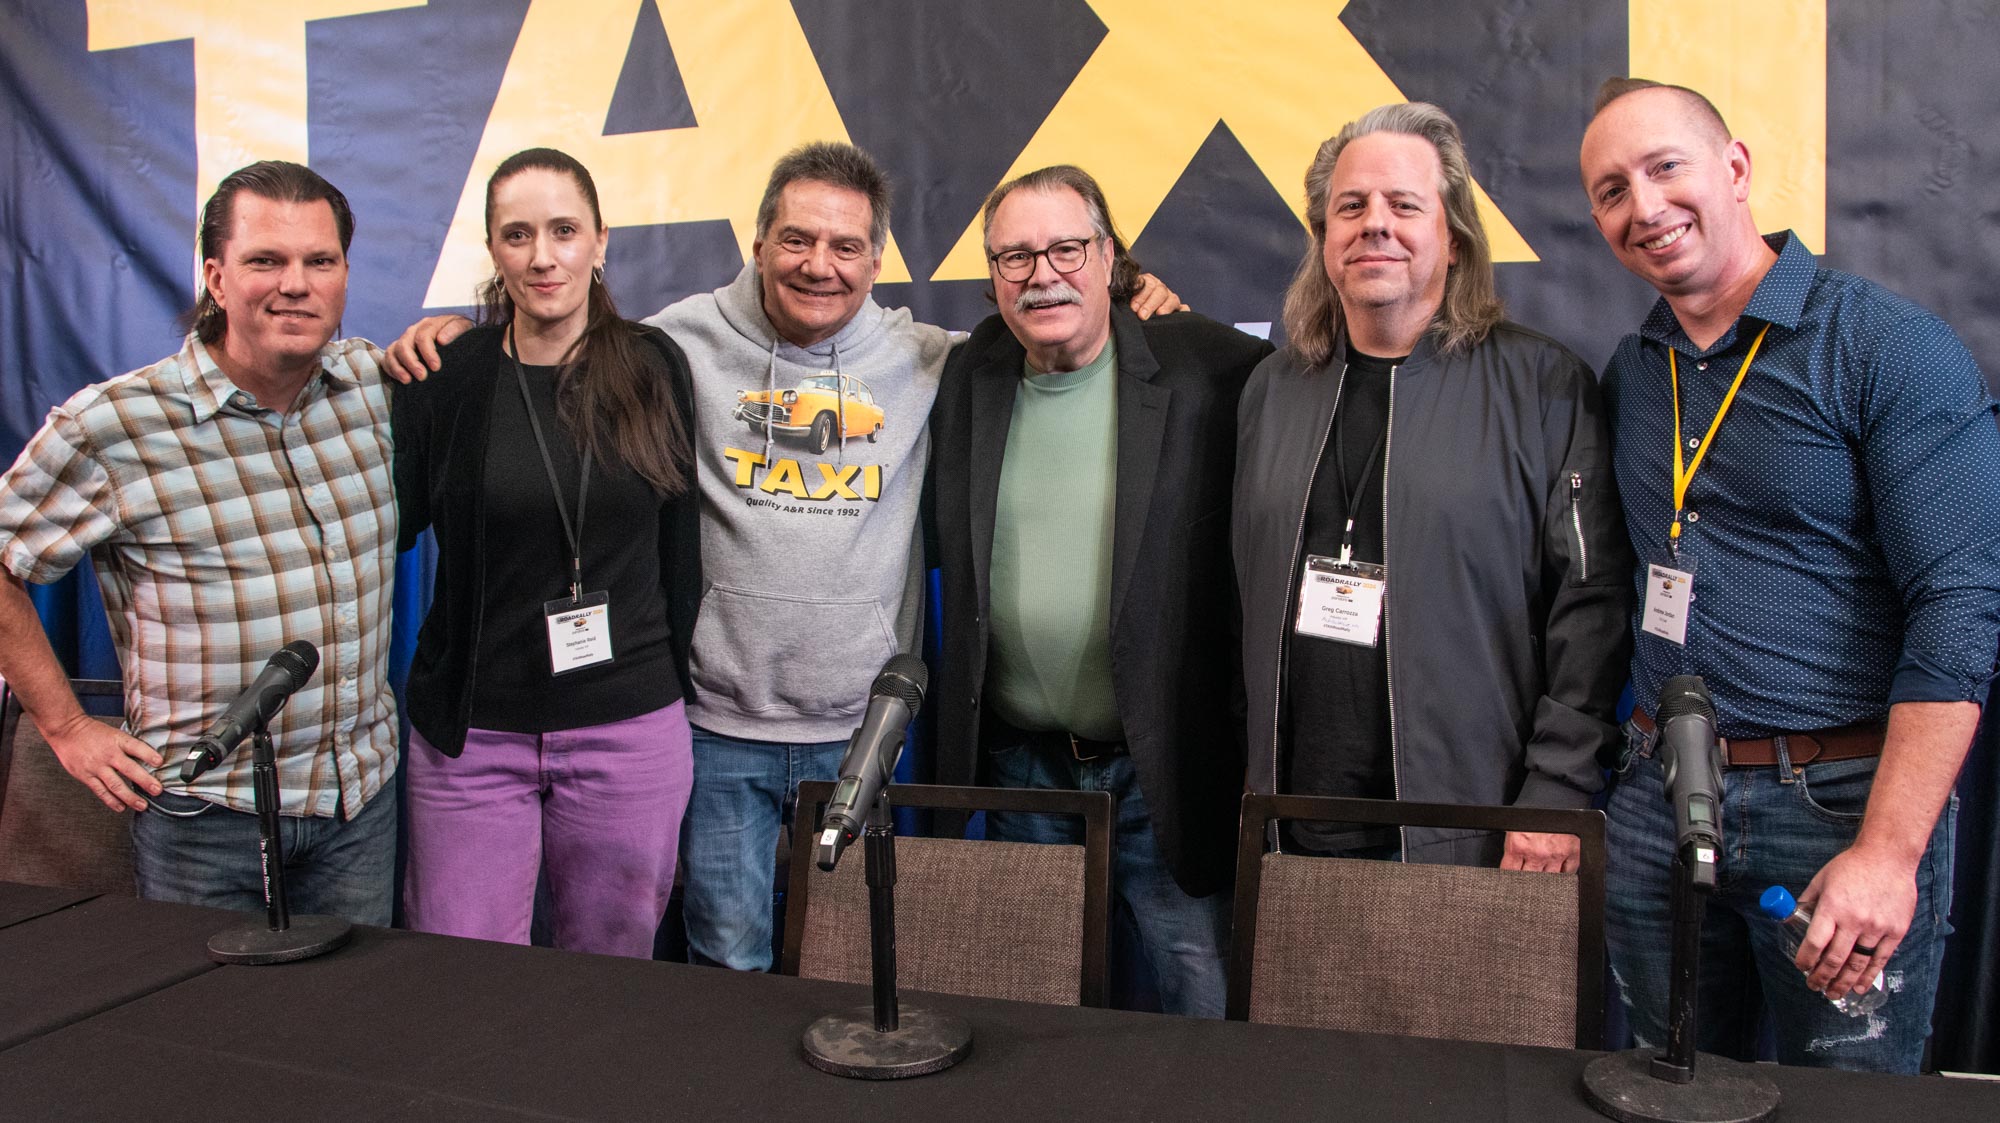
1778 904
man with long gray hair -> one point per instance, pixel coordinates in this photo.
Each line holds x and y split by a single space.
1433 575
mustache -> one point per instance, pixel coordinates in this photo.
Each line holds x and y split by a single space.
1057 292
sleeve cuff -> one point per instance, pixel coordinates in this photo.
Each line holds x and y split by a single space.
1919 680
1539 790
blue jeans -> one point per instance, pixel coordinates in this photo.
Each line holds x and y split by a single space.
1184 938
1780 826
332 867
729 841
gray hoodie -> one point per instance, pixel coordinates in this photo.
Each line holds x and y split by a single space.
811 465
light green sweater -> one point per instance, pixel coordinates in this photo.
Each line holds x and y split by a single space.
1049 666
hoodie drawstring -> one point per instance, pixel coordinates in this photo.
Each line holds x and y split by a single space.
770 396
840 402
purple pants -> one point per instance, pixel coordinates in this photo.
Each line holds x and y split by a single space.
601 806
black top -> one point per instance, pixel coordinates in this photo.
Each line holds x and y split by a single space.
528 563
1337 694
485 615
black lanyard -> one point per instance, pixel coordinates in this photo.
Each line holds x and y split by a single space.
1351 492
573 533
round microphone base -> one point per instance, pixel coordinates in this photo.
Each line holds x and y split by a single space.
923 1042
258 944
1622 1086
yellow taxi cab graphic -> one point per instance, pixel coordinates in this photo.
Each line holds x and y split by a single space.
822 406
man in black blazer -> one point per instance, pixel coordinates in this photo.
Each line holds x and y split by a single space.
1080 494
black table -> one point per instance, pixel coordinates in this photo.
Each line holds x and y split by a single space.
401 1024
91 954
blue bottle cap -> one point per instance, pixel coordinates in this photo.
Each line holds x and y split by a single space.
1778 903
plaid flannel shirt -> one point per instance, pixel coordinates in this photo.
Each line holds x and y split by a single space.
220 531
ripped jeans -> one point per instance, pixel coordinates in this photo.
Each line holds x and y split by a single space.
1779 826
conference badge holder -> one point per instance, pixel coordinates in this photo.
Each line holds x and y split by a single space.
579 631
1669 595
1341 599
1670 576
580 624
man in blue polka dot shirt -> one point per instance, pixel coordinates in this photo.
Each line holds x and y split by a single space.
1810 471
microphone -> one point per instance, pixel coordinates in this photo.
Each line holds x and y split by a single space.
1694 772
872 753
287 671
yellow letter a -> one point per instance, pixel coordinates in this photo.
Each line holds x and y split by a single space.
750 76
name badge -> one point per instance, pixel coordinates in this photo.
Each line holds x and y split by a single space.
579 631
1668 592
1341 600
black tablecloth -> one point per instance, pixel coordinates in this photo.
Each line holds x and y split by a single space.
26 902
400 1024
68 964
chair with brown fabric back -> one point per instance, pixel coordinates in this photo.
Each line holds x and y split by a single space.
52 831
991 919
1458 952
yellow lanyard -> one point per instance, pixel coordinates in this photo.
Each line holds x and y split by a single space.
1685 475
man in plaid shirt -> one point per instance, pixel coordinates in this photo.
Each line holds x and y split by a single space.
232 498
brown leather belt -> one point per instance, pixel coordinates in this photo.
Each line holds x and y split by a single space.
1847 742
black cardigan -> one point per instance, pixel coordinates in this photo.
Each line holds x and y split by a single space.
441 431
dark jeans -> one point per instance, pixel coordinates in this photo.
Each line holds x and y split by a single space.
1184 938
333 866
1779 828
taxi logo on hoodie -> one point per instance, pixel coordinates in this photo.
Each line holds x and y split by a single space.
851 482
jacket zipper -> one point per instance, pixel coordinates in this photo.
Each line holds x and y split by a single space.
1298 545
1389 663
1576 520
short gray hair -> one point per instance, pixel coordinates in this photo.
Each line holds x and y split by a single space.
836 164
1124 270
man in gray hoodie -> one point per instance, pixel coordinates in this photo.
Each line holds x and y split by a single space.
811 440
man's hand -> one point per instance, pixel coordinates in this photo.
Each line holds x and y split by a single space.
1542 853
1867 895
414 355
1861 899
1153 297
106 761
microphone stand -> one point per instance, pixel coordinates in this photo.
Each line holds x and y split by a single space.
879 841
884 1042
1639 1086
289 938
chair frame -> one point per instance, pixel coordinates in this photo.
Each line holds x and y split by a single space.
1259 811
12 713
1095 808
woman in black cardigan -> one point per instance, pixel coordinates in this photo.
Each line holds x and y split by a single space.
551 455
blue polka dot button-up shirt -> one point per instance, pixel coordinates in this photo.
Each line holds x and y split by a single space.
1843 529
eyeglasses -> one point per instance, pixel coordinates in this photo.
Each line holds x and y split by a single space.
1065 257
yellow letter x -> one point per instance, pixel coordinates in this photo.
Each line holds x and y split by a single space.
1284 76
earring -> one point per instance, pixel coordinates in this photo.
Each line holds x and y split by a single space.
597 274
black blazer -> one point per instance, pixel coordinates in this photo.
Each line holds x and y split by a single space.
1174 652
441 428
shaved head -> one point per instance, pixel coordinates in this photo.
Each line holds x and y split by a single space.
1701 112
